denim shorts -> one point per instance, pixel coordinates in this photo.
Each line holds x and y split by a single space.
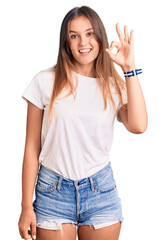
88 201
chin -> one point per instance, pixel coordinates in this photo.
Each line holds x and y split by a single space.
85 61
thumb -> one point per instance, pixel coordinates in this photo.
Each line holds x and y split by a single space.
33 231
111 55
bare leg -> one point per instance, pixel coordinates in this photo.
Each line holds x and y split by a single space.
111 232
68 232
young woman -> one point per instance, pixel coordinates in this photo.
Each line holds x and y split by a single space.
70 124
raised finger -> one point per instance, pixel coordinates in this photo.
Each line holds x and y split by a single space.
121 37
126 33
131 37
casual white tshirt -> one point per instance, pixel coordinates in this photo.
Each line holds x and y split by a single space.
77 143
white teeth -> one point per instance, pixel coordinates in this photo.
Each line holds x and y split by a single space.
84 50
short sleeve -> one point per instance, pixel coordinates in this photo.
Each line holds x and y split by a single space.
124 99
33 91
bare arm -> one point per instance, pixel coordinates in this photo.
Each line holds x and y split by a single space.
135 117
30 170
31 153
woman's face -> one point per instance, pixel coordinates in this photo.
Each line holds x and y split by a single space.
82 42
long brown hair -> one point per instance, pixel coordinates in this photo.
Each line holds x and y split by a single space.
106 73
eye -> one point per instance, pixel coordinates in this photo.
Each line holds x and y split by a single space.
90 33
74 36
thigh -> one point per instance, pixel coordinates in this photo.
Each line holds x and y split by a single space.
112 232
54 202
68 232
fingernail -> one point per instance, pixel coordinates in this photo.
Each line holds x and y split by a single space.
34 237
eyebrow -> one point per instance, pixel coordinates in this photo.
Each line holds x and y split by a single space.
71 31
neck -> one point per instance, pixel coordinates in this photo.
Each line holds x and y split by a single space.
86 71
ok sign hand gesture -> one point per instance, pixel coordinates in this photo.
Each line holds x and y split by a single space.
125 54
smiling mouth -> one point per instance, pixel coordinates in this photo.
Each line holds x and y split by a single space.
85 51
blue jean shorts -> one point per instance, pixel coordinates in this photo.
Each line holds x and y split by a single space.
88 201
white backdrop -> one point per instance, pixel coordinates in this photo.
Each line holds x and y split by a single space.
29 43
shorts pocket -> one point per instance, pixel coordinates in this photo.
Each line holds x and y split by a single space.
46 184
105 183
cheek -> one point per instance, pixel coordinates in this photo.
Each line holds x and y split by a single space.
73 48
97 49
96 45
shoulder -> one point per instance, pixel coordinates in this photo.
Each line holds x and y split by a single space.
119 92
113 86
118 87
44 77
46 74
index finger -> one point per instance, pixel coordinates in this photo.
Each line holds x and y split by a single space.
121 37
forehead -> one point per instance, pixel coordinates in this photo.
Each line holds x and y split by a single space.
80 23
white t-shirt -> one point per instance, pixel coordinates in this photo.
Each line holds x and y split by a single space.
77 143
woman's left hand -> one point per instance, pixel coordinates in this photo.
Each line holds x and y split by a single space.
125 54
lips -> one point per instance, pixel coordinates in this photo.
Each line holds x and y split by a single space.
85 50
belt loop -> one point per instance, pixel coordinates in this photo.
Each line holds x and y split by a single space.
91 181
59 183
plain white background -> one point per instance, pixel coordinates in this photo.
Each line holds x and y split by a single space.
29 43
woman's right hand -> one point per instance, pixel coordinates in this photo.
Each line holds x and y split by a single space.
27 219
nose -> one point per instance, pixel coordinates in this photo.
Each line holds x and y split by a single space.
83 40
